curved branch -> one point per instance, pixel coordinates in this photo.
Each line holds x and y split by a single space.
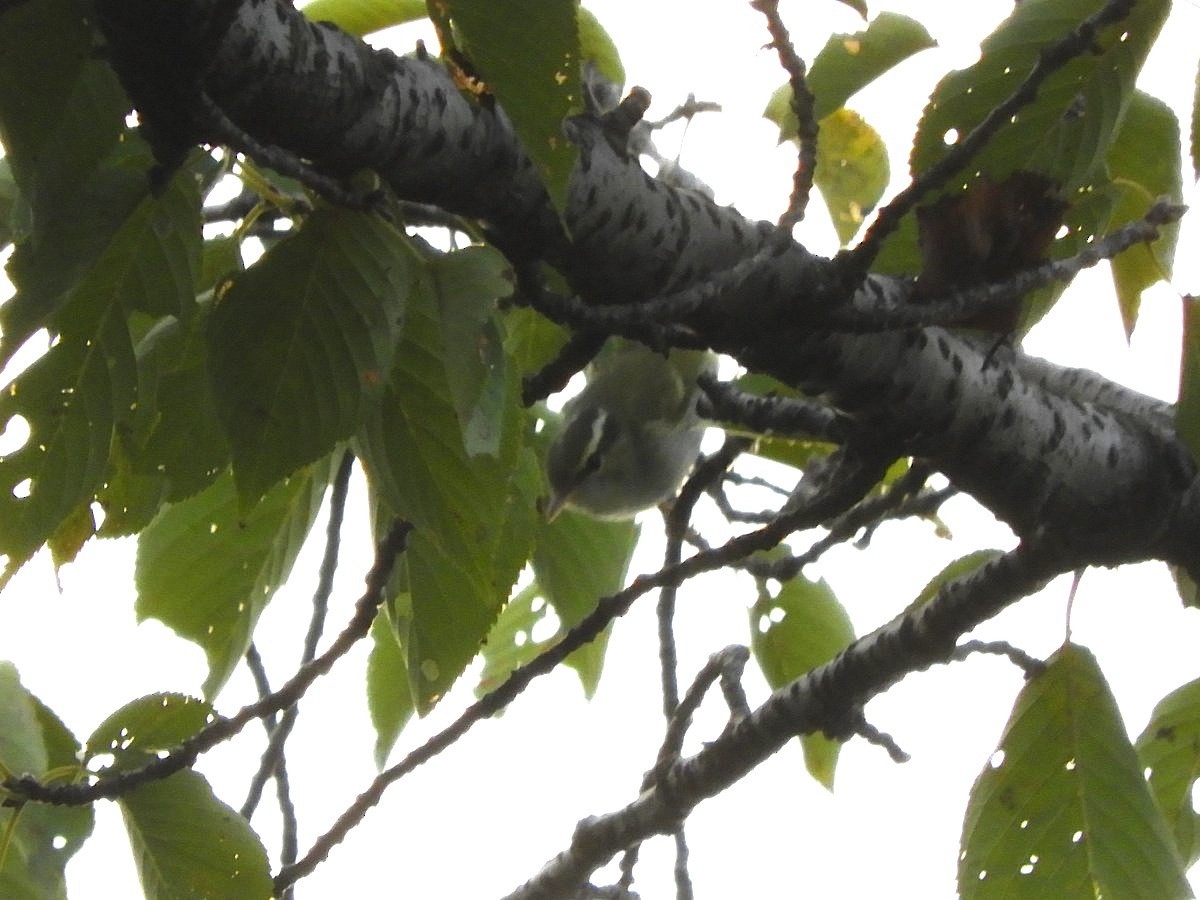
821 700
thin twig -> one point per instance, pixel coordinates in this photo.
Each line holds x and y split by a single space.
283 790
845 480
1030 665
790 417
966 304
814 702
580 350
272 762
677 522
186 754
900 501
227 132
873 735
803 104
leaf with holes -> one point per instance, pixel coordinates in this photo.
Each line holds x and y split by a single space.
68 399
1063 809
473 514
85 385
511 644
110 238
298 343
186 842
143 727
1065 133
578 560
207 572
1170 749
793 632
528 54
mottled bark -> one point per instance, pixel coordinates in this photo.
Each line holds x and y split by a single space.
1084 470
1106 478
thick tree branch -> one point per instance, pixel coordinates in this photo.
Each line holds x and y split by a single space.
1099 477
1084 471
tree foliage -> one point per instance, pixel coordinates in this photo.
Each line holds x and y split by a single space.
447 237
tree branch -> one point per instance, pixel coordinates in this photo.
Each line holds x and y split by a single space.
184 756
819 700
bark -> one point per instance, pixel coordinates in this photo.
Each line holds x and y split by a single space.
1083 470
1105 478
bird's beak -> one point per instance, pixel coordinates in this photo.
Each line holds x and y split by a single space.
551 505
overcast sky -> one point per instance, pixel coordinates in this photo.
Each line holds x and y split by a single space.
485 815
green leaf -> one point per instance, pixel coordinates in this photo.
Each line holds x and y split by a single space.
63 247
473 521
10 200
61 108
389 697
1187 410
187 843
110 235
596 45
141 728
964 565
183 442
72 533
1189 591
857 5
1067 131
1064 134
1196 128
468 284
1170 749
207 572
299 341
1144 164
22 749
793 632
852 170
84 386
578 560
531 339
359 17
511 642
847 64
130 500
34 741
528 54
1063 809
69 400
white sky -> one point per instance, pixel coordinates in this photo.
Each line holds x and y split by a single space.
486 814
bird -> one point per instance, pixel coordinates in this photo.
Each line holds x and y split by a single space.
629 438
